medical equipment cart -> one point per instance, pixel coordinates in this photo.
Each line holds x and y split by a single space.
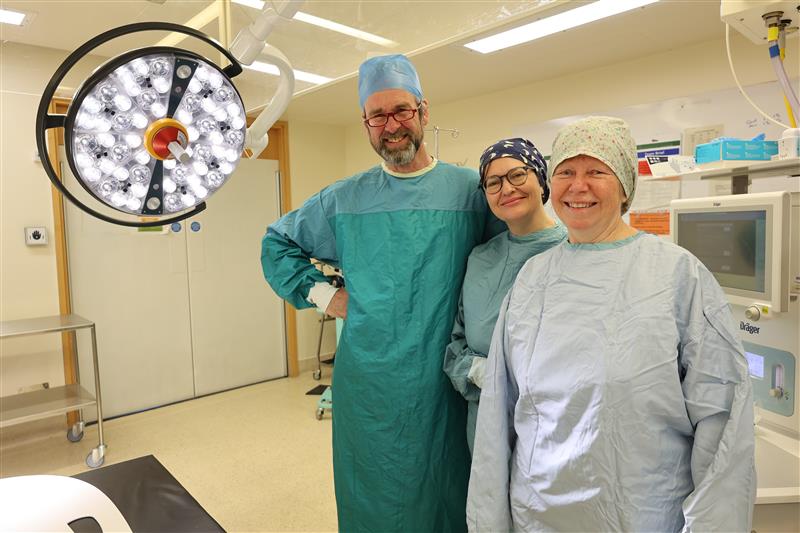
323 318
30 406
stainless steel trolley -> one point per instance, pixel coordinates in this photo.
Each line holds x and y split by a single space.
55 400
322 319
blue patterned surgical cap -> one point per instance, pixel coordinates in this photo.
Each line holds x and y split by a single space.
387 72
523 150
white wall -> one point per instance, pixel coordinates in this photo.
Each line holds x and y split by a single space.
483 120
28 281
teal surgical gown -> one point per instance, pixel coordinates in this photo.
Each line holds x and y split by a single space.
400 457
617 398
491 270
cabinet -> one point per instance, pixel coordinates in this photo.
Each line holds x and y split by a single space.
56 400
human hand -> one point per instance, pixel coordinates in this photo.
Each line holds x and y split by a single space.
338 305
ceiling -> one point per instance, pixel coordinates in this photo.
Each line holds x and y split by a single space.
431 32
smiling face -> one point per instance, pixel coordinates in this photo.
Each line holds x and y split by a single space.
588 198
516 205
398 143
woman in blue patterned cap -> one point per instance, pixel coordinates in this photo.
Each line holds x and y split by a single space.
514 180
616 395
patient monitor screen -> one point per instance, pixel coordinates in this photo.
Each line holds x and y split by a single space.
731 244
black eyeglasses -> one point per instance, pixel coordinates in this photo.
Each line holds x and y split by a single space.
516 176
404 115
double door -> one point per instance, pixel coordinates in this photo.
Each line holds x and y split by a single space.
183 311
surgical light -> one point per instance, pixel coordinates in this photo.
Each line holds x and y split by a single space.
155 132
554 24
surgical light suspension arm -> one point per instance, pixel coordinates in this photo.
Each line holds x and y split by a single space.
249 45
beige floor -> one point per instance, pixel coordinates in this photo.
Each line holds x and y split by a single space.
256 458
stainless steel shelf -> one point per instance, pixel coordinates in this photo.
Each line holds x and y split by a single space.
43 403
29 406
47 324
731 169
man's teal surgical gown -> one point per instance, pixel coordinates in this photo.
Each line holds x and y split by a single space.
617 398
400 457
491 270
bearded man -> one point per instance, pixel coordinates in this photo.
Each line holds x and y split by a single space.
401 232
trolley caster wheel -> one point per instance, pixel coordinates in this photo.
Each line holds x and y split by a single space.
75 433
317 374
320 413
96 457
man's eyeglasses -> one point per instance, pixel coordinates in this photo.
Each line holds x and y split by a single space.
404 115
516 176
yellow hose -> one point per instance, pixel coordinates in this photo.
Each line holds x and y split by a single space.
792 121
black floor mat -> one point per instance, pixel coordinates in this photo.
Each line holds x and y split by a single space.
318 390
149 498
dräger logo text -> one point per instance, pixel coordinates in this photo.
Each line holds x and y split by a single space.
749 328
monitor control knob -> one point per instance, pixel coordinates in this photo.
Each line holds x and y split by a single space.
752 313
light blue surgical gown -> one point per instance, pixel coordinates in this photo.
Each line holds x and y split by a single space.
400 456
491 270
617 398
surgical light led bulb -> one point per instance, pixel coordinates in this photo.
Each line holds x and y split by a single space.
184 116
142 157
173 202
147 98
169 185
106 139
140 67
234 137
133 140
134 204
88 143
161 85
233 110
122 102
107 166
107 188
140 174
139 121
160 67
92 105
158 110
214 179
121 173
107 93
188 199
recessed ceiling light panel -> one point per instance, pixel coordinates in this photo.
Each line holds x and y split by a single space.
8 16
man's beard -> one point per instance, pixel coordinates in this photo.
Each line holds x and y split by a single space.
399 157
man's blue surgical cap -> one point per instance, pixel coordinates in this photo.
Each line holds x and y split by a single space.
387 72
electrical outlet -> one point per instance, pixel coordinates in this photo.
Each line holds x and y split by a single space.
35 236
